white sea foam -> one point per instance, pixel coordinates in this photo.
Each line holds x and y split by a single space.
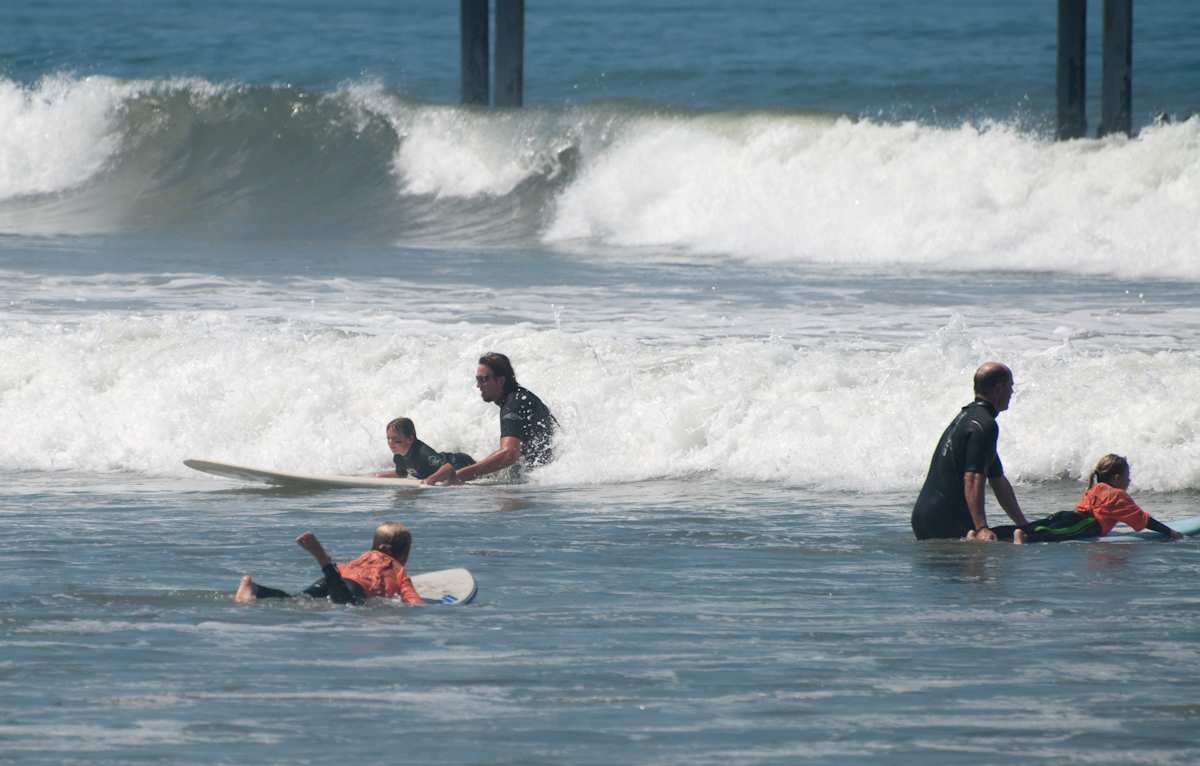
450 152
778 189
792 188
68 739
457 152
57 133
140 393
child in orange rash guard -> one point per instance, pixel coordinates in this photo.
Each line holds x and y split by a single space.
380 572
1105 504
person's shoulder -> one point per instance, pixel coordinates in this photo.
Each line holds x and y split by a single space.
363 558
979 416
981 409
1107 495
521 398
530 399
1109 492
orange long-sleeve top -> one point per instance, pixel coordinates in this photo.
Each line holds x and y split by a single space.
1110 506
381 575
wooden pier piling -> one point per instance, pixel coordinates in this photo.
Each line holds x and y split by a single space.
1071 78
1116 95
510 52
473 59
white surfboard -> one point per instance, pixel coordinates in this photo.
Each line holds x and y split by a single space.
284 479
1189 527
449 587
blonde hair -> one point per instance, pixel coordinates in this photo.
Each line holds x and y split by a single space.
395 537
1110 467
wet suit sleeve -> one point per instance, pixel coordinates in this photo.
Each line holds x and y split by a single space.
512 423
997 468
408 592
333 587
980 455
401 465
1155 525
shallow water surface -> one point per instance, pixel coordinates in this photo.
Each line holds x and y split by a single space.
702 620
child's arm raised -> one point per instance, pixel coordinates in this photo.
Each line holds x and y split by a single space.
309 542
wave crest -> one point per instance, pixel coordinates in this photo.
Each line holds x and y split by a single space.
362 164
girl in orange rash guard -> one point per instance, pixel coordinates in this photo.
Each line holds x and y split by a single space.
1105 504
380 572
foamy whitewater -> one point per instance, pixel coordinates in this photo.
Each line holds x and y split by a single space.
750 261
167 368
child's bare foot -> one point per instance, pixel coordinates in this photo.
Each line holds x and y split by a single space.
1019 537
309 542
971 535
245 591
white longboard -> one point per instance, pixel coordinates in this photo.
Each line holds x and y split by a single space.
446 586
1189 527
284 479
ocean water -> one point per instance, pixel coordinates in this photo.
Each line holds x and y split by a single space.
750 255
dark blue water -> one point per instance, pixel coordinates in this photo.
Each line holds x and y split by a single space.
941 61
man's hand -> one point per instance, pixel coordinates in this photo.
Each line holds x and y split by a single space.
983 535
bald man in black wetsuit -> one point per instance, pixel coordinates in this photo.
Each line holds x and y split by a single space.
951 501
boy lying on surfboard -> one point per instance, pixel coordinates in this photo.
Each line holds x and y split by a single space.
380 572
411 454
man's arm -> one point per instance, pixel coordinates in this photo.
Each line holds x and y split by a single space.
973 484
1007 499
509 453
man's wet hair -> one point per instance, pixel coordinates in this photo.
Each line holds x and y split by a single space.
403 426
501 368
989 375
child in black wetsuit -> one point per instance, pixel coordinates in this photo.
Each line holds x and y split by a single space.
410 454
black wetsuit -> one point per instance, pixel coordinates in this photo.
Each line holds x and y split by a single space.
1067 525
524 416
1055 528
332 586
424 461
968 445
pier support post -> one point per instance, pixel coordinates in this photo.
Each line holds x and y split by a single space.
473 59
510 52
1116 97
1071 80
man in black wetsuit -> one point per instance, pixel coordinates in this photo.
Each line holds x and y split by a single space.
526 425
951 502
